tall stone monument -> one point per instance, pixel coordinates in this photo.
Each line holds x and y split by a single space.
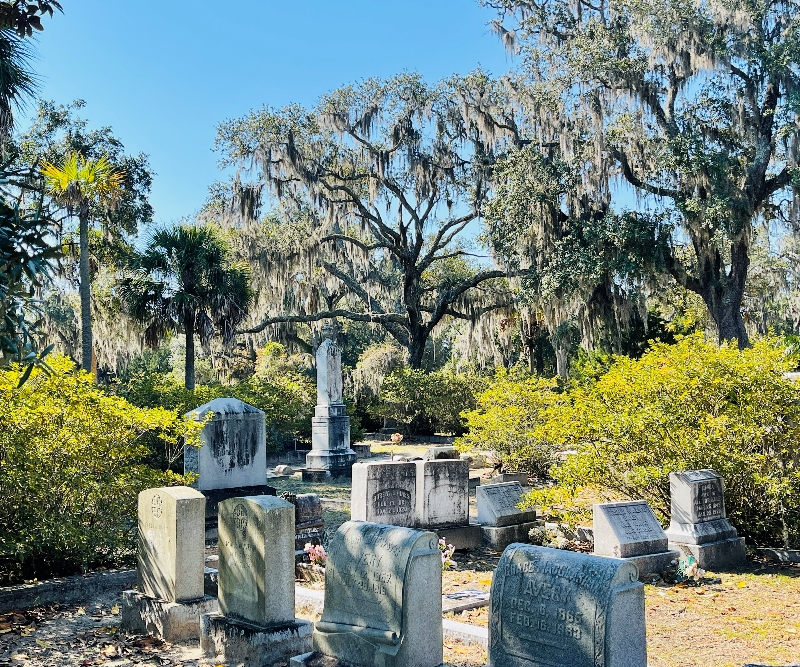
330 426
699 525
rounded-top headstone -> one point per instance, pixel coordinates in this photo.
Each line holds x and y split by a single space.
565 609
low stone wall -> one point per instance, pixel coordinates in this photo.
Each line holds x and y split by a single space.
65 590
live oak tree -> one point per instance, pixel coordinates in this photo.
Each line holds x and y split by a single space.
694 105
386 176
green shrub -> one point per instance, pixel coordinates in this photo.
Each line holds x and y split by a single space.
687 406
508 420
425 403
280 388
71 466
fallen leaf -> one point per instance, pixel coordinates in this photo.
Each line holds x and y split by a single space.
43 643
792 630
741 584
701 591
80 611
485 582
115 609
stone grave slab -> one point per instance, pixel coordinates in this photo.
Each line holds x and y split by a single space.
443 452
234 449
442 495
170 565
383 597
384 492
502 522
565 609
630 530
698 524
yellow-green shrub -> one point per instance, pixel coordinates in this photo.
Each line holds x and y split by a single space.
71 466
508 419
687 406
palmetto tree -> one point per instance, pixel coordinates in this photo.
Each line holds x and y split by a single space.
79 184
185 281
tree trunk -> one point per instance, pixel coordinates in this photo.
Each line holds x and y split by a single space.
85 292
723 294
188 327
417 338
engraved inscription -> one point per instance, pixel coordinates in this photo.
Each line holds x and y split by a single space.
156 506
708 502
391 501
240 518
635 521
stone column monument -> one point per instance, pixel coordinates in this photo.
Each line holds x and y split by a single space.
330 427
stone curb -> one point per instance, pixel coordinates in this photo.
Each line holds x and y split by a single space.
65 590
452 629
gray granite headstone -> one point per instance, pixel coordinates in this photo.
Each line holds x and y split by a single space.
442 493
384 492
171 554
234 447
256 560
556 608
631 530
497 505
698 523
383 597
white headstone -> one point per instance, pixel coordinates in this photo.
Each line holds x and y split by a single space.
442 496
497 505
171 554
383 597
234 448
256 560
627 529
563 609
384 493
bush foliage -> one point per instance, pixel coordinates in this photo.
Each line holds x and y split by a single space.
425 403
679 407
71 466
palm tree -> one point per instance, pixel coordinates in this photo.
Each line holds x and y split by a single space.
79 184
185 281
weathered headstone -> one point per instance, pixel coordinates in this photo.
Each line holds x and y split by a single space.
234 449
383 598
630 530
256 623
502 522
699 524
309 525
442 496
171 562
330 426
384 492
563 609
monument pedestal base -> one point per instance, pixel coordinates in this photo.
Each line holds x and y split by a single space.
171 621
713 555
498 538
338 462
461 537
651 564
237 642
314 657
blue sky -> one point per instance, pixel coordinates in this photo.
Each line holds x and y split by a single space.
163 74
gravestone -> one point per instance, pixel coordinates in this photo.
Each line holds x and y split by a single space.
699 525
384 492
521 477
564 609
383 598
443 452
631 531
170 565
330 426
309 526
442 500
256 623
234 449
502 522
